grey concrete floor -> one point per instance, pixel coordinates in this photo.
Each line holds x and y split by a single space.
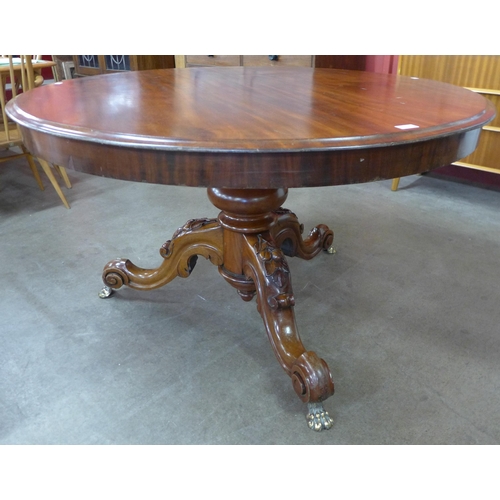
406 314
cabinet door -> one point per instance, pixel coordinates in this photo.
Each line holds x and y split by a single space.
87 65
140 63
112 64
341 62
97 65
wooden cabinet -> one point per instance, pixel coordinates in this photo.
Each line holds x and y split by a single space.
319 61
98 65
306 61
212 61
478 73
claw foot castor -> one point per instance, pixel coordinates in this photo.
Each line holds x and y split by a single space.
317 418
105 292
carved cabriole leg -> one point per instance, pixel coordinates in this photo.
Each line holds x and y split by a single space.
196 237
287 233
266 265
254 263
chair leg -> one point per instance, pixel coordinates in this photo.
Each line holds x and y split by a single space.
53 180
32 165
395 184
62 172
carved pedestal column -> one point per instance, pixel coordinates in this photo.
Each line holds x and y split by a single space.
255 227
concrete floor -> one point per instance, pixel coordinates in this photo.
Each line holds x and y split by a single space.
406 314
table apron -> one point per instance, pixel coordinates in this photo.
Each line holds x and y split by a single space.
253 170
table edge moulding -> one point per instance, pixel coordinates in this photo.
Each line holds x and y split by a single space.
248 134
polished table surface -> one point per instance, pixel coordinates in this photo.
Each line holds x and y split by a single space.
249 134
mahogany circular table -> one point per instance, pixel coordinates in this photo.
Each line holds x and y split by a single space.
249 134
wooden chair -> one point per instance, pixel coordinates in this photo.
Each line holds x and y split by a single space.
23 77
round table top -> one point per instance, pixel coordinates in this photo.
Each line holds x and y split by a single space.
253 127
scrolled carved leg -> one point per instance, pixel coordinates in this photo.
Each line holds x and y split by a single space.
311 378
287 233
196 237
266 266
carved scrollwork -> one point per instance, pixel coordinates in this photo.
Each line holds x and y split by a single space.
281 301
283 214
311 378
287 233
323 234
283 211
277 274
197 237
191 225
166 249
115 273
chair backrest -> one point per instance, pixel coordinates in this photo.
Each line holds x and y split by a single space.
27 79
20 76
